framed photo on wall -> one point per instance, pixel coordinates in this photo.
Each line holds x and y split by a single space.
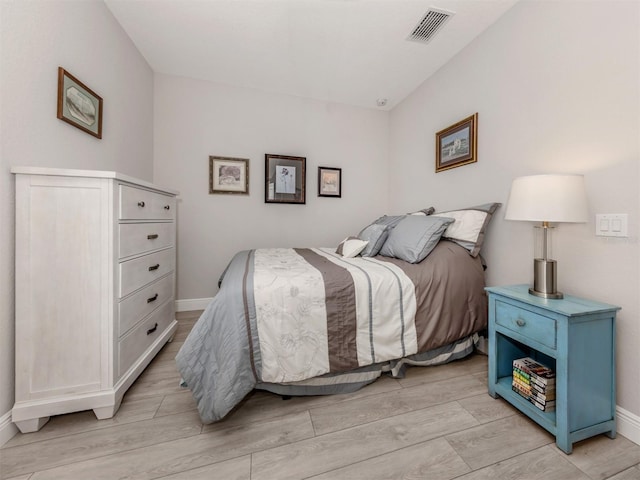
457 145
329 182
228 175
78 105
285 179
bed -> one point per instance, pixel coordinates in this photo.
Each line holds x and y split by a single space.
408 290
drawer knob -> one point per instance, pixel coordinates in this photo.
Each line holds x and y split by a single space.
520 322
152 299
153 236
151 330
141 204
154 267
167 207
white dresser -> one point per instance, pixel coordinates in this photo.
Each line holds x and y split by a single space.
95 276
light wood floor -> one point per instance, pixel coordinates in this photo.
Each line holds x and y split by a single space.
437 423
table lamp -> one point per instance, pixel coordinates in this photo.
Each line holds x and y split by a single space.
547 199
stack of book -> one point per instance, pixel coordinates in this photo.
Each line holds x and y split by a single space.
535 382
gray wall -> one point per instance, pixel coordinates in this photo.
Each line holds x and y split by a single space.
195 119
85 39
557 89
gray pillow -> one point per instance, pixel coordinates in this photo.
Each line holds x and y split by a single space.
389 220
470 226
376 235
414 237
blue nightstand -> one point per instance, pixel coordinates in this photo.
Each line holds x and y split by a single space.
574 337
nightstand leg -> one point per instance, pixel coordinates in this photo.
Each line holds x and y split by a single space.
564 444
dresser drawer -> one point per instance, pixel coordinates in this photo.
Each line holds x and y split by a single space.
135 238
527 323
133 345
141 304
139 204
136 273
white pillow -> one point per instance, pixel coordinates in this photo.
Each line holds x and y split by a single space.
351 246
470 225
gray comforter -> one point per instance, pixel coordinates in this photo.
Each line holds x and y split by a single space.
302 320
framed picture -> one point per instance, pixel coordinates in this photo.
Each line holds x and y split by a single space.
329 182
284 179
78 105
457 145
229 175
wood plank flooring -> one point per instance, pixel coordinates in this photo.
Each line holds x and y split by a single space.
437 423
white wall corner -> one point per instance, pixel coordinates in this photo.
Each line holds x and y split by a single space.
628 425
7 428
190 304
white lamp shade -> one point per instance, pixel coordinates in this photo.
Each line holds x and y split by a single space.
548 198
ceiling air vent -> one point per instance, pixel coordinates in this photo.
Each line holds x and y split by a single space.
430 24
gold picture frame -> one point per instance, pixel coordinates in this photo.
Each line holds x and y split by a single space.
457 145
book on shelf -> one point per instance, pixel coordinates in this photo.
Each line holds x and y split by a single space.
516 389
543 384
537 372
519 381
525 391
546 406
534 382
542 396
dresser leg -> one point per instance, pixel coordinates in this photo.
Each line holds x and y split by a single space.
106 412
31 425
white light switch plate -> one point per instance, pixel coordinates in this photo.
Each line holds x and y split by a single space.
611 224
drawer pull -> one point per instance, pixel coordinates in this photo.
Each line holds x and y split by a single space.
167 207
152 299
154 267
520 322
153 236
141 204
151 330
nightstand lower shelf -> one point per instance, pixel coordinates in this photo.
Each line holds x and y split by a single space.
546 420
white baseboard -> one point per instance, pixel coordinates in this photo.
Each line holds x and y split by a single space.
190 304
7 428
628 425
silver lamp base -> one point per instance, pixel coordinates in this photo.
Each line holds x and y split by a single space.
544 279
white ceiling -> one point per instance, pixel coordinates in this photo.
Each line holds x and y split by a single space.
346 51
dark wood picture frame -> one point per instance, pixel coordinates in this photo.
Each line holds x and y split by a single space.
329 182
457 145
78 105
284 179
228 175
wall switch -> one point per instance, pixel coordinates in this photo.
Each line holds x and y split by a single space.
611 224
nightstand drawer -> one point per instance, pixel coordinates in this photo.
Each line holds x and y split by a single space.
527 323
